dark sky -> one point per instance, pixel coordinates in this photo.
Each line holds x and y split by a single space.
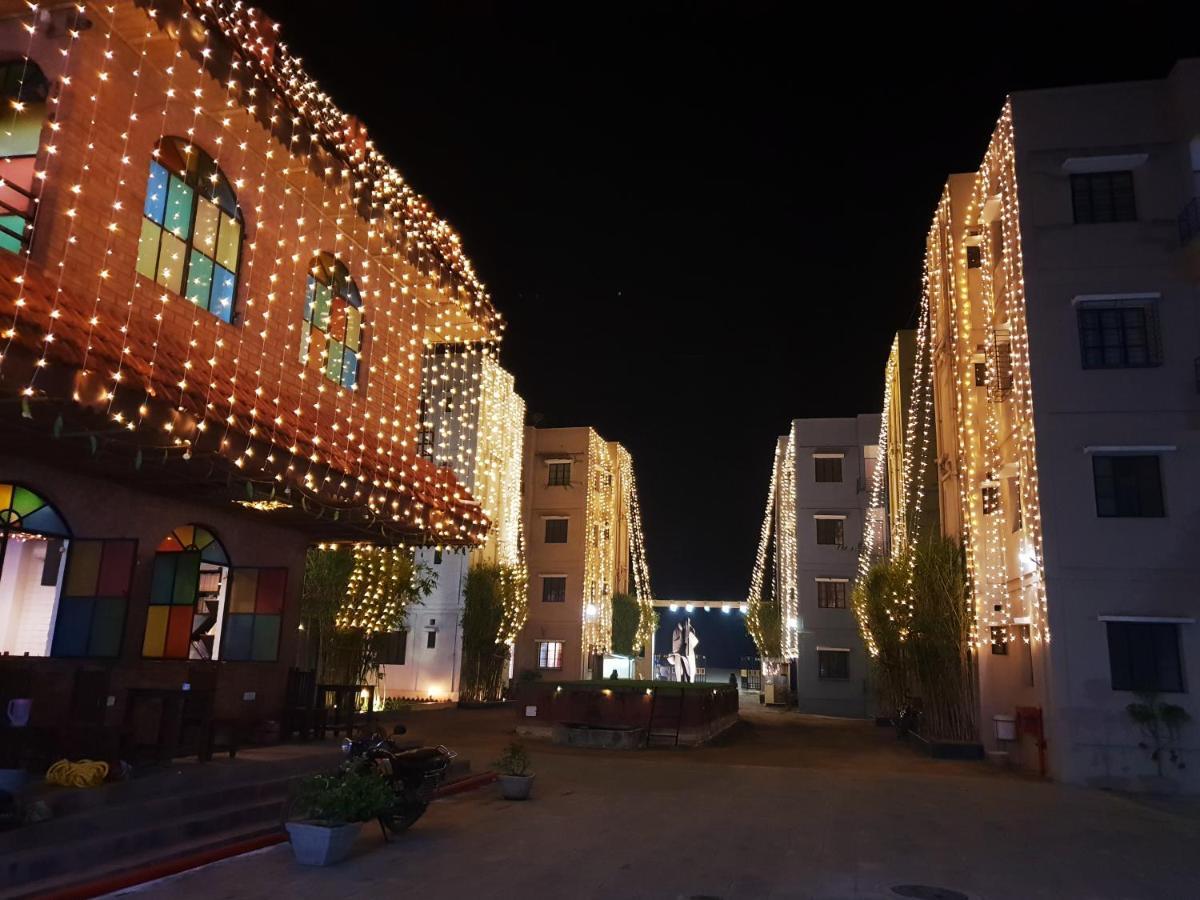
701 220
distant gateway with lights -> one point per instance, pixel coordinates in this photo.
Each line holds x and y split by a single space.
690 605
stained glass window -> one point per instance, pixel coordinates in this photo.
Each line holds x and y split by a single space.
24 91
184 605
255 613
94 598
332 321
191 238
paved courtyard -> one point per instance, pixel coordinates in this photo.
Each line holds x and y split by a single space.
791 806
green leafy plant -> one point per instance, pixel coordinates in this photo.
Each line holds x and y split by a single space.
491 591
625 620
352 796
514 760
1161 725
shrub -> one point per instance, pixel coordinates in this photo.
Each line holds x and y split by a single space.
514 760
353 796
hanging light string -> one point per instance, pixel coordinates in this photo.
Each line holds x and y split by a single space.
76 191
120 187
754 596
47 154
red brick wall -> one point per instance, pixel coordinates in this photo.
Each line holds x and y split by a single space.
290 214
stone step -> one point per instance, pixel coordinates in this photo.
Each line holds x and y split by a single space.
28 871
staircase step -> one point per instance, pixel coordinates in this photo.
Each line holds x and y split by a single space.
153 839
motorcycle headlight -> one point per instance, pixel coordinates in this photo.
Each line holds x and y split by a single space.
347 746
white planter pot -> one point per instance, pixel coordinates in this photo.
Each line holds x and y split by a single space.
516 787
322 845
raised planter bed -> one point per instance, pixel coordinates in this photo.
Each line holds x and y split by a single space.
691 713
576 734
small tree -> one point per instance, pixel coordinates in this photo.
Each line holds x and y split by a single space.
626 616
326 577
351 594
492 594
872 599
941 659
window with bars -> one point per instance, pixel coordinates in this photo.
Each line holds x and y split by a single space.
554 589
556 531
332 331
1098 197
831 594
1128 486
1118 334
828 468
560 474
833 665
831 532
391 647
1144 657
549 654
191 240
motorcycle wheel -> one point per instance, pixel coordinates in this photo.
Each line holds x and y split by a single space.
401 819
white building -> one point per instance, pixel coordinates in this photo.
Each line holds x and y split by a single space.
1062 291
472 422
807 560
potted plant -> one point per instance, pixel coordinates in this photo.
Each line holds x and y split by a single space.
328 812
1160 724
516 781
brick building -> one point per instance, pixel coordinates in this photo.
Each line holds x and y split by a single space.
215 297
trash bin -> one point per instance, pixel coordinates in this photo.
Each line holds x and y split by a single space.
1005 726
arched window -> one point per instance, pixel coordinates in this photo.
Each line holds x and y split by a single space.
187 596
191 240
331 335
24 91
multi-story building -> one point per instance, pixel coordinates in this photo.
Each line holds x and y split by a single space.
583 541
1061 284
799 604
473 422
834 463
215 297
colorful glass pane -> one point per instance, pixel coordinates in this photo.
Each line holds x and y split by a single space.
349 368
147 258
205 236
229 242
25 501
265 643
72 625
337 319
237 638
156 630
320 310
11 230
156 193
271 586
243 590
83 569
179 632
178 216
353 328
170 263
333 361
224 286
162 580
199 282
310 290
108 623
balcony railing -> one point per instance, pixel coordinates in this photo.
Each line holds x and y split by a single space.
1189 221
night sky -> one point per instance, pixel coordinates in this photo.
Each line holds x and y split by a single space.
700 220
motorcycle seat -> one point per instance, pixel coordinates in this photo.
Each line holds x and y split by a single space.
422 759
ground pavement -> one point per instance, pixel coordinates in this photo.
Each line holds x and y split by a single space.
791 806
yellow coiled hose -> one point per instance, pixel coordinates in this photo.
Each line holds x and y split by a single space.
84 773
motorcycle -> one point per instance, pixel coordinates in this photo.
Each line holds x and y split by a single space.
414 773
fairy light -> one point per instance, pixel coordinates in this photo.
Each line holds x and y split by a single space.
269 126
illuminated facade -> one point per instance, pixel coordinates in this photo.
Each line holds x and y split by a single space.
817 509
216 300
473 422
1059 296
584 543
